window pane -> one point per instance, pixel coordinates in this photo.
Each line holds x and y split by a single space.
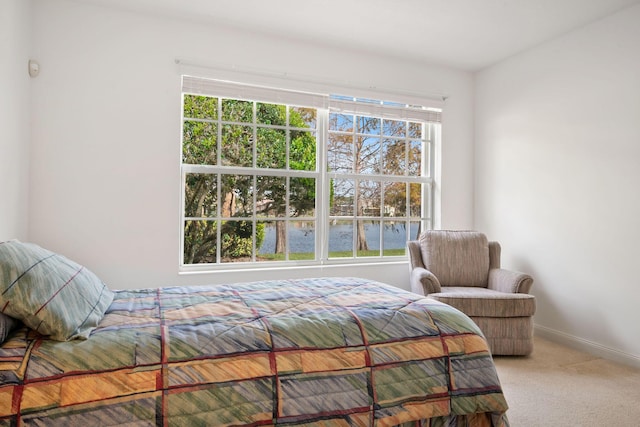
340 154
394 238
199 143
415 130
236 241
271 196
300 117
200 107
302 240
368 125
200 242
394 128
237 196
394 157
272 241
369 198
200 196
302 153
271 148
415 200
415 158
416 228
341 122
302 196
342 197
368 235
266 241
271 114
237 145
395 199
368 149
234 110
341 239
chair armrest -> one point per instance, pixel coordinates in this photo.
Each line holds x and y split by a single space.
509 281
424 282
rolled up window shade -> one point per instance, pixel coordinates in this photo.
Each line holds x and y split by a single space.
387 110
225 89
335 103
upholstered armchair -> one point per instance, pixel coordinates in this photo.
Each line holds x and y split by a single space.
462 269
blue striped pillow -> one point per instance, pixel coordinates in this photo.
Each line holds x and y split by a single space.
50 293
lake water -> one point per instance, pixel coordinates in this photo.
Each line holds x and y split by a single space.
341 237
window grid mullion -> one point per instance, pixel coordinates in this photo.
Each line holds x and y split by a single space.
322 204
218 215
382 191
219 182
287 182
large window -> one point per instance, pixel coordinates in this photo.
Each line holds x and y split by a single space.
281 177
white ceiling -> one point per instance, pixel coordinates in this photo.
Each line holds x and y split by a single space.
464 34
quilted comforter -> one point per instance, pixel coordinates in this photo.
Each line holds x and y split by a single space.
321 352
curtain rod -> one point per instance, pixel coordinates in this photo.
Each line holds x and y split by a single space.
323 85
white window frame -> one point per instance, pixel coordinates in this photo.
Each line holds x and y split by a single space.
431 116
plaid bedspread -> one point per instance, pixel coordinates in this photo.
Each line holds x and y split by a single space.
321 352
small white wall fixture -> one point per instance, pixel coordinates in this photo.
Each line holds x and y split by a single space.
34 68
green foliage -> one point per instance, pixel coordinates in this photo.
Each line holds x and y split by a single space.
237 239
199 143
234 110
271 114
200 107
200 242
302 155
271 148
237 145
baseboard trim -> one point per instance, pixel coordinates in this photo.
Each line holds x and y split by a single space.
587 346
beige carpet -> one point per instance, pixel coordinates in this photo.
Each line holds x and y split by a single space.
559 386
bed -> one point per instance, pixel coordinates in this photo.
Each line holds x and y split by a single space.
317 352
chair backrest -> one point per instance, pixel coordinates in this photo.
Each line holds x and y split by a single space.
456 258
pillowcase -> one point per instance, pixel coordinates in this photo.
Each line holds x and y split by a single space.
7 324
50 293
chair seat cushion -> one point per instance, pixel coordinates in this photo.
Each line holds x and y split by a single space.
486 302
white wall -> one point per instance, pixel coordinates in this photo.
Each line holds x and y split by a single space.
15 20
557 175
106 129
